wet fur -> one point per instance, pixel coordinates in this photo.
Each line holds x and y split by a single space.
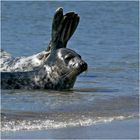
58 72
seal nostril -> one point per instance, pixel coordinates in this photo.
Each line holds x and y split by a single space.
84 66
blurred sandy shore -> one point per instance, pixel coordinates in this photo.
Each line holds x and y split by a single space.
126 129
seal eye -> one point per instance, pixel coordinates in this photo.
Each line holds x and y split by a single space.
68 57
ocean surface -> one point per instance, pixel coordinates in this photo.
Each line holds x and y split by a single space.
106 38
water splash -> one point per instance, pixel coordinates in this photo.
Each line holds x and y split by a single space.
15 125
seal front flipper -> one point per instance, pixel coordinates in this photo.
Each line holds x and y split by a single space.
58 16
56 23
63 27
68 27
71 27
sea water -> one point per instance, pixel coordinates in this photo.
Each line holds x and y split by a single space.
106 38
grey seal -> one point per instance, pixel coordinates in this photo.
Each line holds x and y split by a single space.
56 68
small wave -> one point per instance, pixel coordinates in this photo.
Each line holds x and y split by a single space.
16 125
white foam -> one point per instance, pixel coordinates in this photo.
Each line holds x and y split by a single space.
51 124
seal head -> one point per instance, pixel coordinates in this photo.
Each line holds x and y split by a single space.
60 70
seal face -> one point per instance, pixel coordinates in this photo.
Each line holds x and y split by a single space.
71 60
55 68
